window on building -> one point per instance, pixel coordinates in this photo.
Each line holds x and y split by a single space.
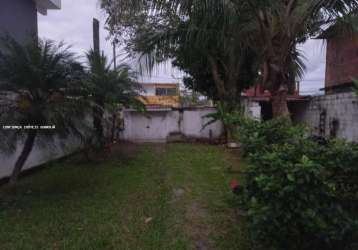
166 92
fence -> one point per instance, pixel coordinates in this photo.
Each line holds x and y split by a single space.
162 125
152 126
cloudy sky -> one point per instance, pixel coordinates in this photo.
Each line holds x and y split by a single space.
73 25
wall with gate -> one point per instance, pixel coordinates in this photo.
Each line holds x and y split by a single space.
152 126
160 125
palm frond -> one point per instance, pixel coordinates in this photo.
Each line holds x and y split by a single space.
113 85
39 75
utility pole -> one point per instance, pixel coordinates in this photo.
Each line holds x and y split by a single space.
114 56
99 102
96 45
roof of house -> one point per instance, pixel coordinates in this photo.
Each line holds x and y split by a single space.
259 93
164 85
44 5
160 101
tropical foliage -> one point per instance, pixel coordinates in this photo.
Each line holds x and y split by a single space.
219 67
230 120
109 88
298 192
46 86
38 77
227 40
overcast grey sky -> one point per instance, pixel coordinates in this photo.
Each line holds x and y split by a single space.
73 25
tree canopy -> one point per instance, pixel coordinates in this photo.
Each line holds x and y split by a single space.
216 38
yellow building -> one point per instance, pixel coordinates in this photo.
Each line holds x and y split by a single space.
160 95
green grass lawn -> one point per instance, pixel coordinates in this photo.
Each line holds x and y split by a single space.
172 196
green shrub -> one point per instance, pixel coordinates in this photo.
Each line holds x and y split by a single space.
257 136
340 159
295 189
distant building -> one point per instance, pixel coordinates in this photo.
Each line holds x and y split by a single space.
259 95
159 95
160 89
341 62
18 18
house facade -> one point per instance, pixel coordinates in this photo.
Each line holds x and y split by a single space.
159 95
18 18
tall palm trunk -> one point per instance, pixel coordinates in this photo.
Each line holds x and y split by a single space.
279 91
97 120
113 131
29 144
279 103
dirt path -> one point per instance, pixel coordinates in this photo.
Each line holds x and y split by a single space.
198 176
197 227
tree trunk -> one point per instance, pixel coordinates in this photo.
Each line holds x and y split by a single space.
29 143
114 117
97 120
279 91
279 104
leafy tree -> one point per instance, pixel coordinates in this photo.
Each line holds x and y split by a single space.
281 25
223 30
201 43
109 87
202 64
37 76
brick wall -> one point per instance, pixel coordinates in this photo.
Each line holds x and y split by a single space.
330 114
342 60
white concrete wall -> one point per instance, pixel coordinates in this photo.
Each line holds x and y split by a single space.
153 126
39 155
194 122
156 126
44 151
252 109
342 107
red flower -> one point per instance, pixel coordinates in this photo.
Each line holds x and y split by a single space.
233 184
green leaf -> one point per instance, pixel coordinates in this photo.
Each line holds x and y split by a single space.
290 177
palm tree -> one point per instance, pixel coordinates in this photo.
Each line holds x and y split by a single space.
37 76
200 42
109 87
275 28
281 26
